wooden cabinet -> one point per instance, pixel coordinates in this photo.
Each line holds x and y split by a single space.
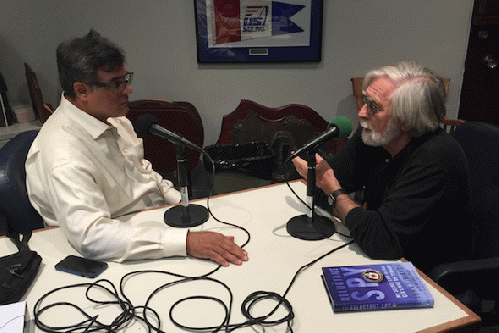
480 89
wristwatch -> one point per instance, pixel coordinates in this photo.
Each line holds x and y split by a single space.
333 196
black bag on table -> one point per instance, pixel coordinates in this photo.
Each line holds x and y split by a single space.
18 270
253 158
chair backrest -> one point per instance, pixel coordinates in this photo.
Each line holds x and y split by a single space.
251 122
449 125
14 203
3 225
284 129
357 90
179 117
479 142
42 110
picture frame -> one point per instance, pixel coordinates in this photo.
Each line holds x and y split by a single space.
247 31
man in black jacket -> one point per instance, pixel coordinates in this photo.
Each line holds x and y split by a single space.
414 175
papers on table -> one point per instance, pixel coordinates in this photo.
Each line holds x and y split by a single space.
12 317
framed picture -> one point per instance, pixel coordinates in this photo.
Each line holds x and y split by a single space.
238 31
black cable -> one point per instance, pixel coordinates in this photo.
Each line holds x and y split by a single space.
213 167
215 329
143 313
130 312
250 300
91 324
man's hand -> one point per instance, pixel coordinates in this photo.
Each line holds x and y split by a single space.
300 166
215 246
325 178
324 175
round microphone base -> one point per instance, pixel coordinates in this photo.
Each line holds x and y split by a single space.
186 216
304 227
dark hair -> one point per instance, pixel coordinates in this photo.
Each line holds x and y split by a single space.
79 59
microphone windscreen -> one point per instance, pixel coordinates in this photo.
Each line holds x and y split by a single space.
144 123
344 125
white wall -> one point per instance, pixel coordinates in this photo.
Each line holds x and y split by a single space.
159 40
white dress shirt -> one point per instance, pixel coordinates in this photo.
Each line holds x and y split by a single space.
82 174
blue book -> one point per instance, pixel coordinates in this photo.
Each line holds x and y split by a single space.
376 287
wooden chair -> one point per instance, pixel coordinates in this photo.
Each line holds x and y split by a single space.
284 129
357 90
251 122
41 109
447 124
179 117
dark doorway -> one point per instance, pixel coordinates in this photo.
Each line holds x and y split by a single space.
480 90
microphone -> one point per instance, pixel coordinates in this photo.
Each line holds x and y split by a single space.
313 226
147 124
185 215
339 128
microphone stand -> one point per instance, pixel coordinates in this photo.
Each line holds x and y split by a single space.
310 226
185 215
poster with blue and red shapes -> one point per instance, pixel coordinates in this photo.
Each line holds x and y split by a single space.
232 21
238 24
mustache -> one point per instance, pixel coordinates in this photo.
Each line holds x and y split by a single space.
365 124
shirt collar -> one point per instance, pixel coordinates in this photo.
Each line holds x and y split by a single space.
89 123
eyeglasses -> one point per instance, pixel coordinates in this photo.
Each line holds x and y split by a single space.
372 106
117 84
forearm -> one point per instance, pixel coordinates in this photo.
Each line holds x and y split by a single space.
83 212
130 238
369 230
343 205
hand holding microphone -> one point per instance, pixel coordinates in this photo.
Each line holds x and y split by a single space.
312 226
339 128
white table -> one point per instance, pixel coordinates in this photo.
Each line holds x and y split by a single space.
274 257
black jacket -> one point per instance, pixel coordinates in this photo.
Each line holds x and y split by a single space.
416 202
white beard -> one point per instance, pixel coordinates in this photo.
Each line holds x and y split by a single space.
380 139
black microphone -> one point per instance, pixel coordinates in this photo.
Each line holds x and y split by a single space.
313 226
147 124
339 128
185 215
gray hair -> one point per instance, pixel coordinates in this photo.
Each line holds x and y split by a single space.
419 98
79 59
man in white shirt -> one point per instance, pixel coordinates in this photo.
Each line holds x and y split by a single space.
86 169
